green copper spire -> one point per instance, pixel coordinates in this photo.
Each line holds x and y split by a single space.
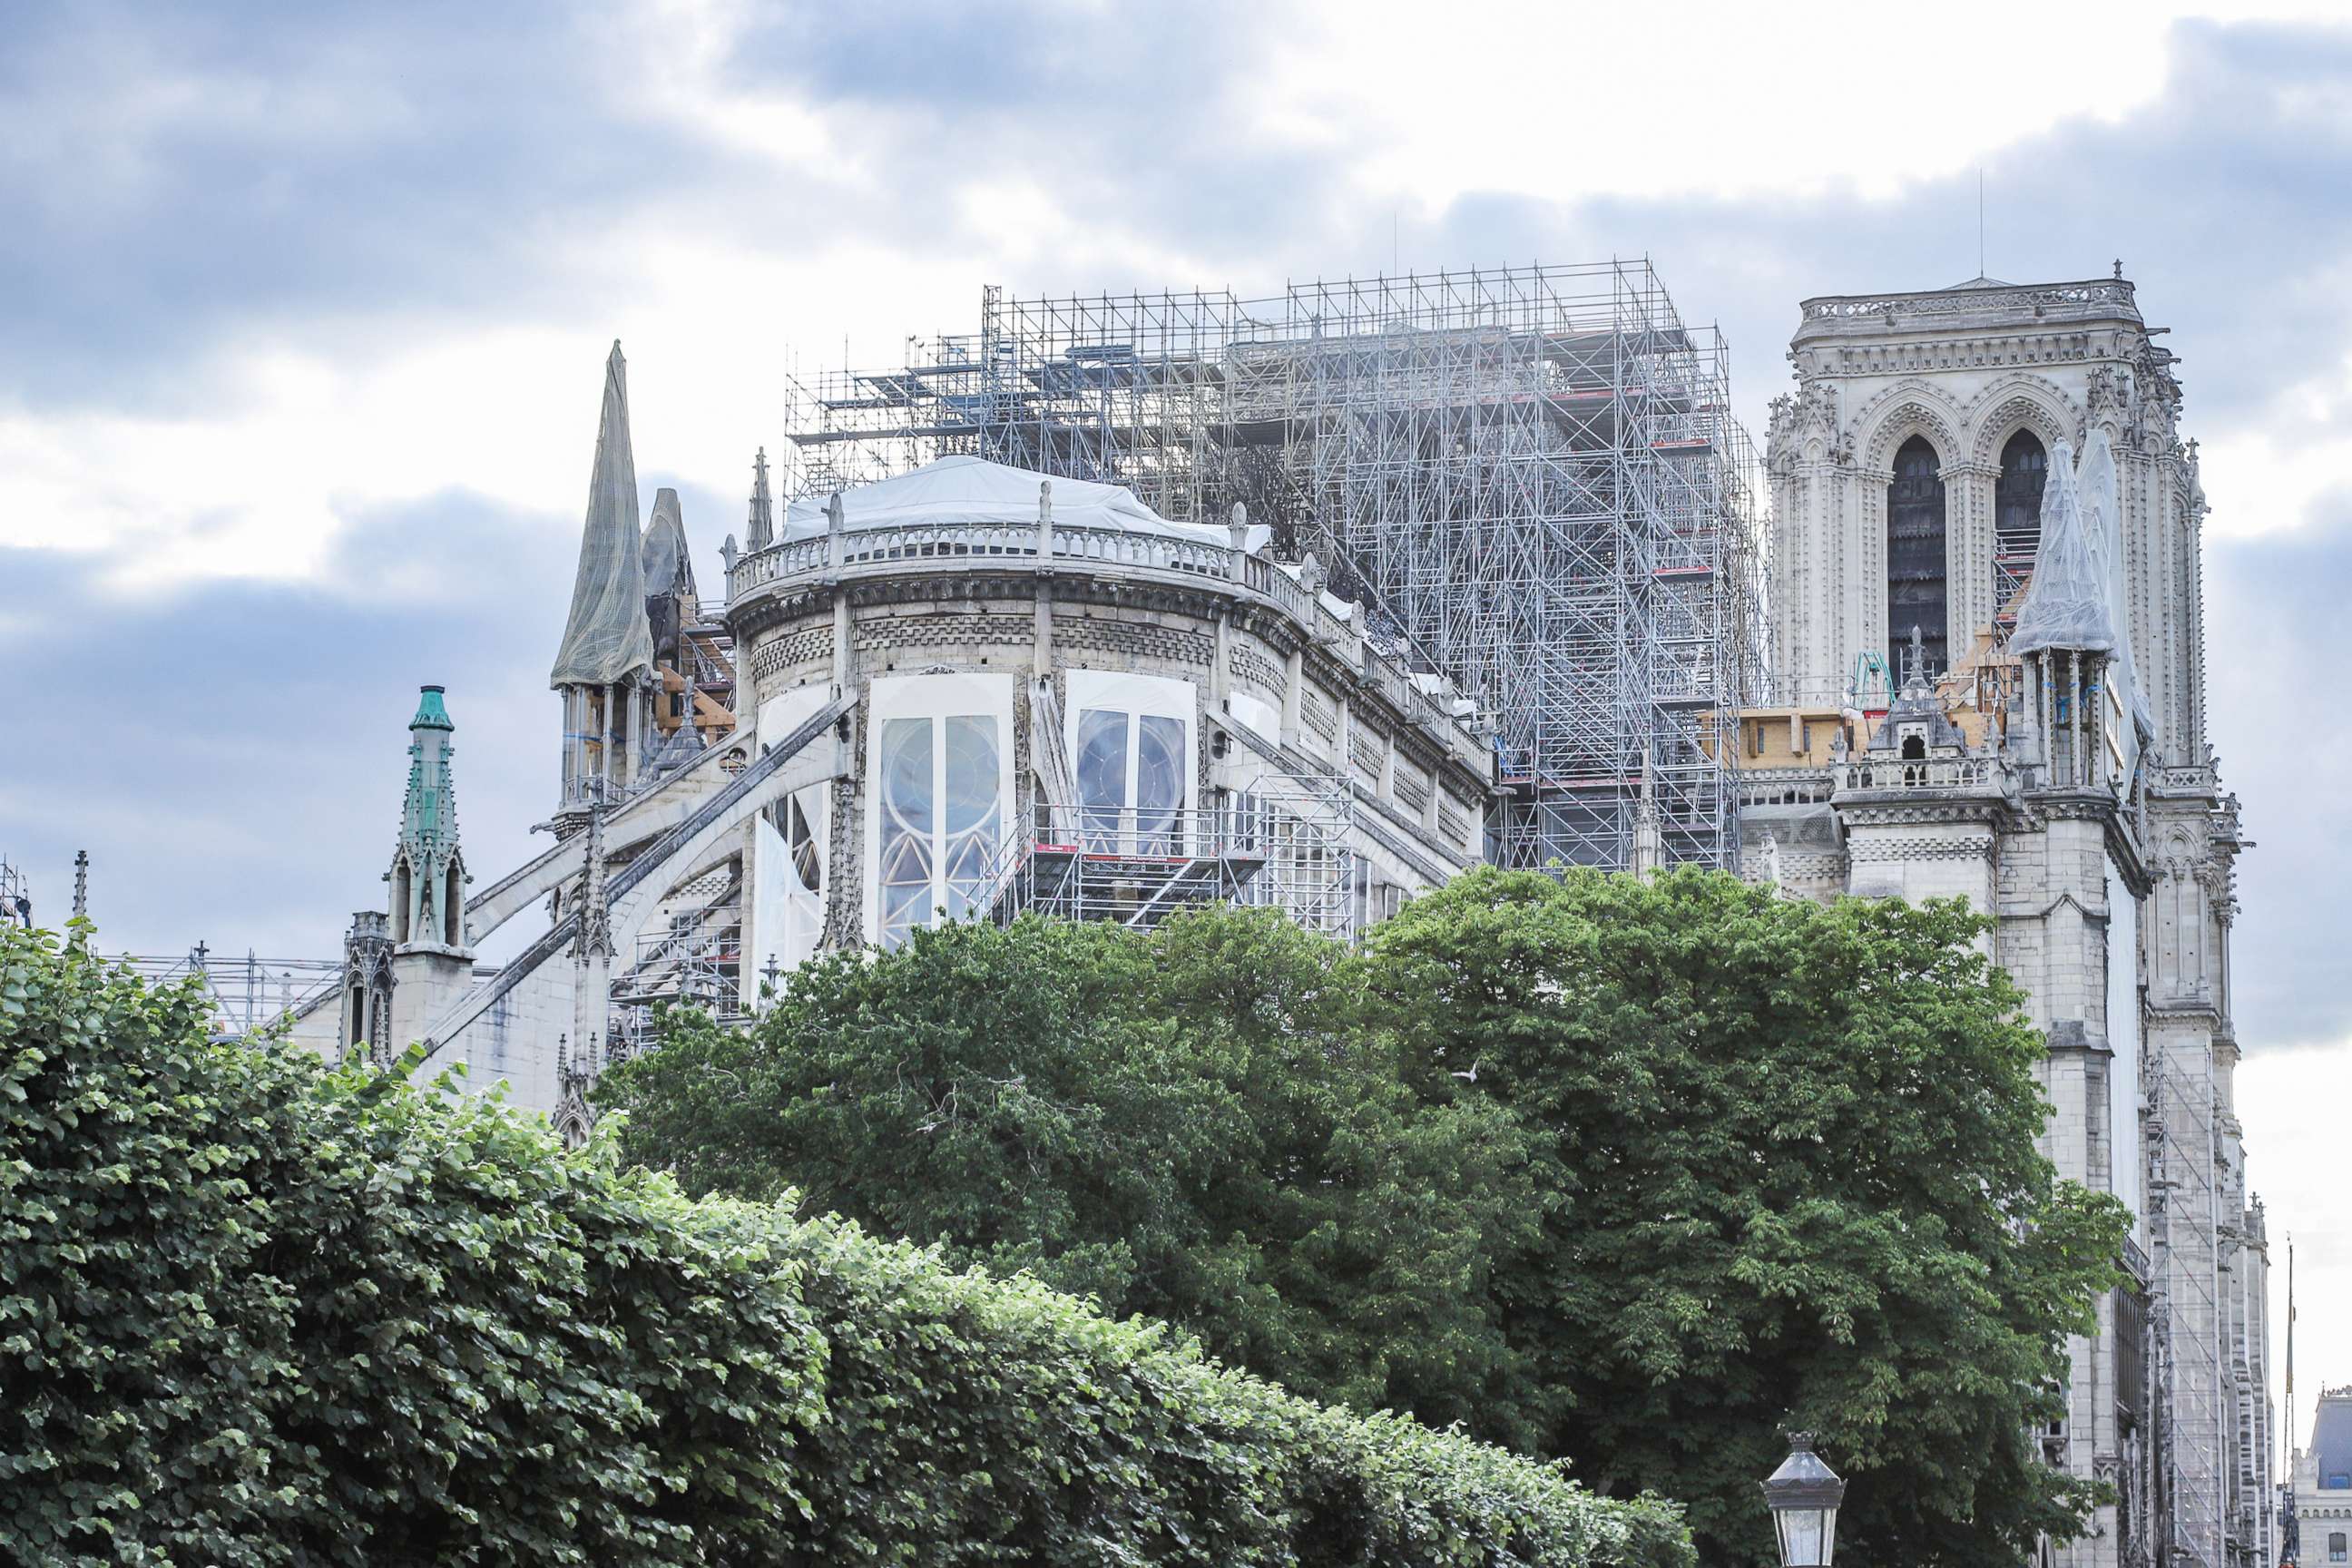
428 871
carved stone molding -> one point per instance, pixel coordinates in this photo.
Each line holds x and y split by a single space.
1909 408
1970 846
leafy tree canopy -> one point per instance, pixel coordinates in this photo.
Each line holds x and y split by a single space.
255 1311
1193 1124
1790 1154
1634 1172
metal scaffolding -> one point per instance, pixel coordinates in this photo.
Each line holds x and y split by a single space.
1286 843
246 994
2193 1230
1531 475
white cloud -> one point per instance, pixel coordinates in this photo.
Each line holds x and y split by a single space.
2292 1103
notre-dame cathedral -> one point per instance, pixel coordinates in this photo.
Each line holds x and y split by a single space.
964 688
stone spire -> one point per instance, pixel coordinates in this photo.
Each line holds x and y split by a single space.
760 531
429 870
607 657
605 638
81 884
667 566
592 949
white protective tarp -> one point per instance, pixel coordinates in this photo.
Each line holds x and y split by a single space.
2100 489
606 637
2076 598
2068 605
974 491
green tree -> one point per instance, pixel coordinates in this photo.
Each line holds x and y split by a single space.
1789 1151
1193 1123
257 1311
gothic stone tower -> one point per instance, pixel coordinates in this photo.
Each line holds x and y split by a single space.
2065 787
402 966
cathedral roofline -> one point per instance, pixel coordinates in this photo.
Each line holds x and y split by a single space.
1973 306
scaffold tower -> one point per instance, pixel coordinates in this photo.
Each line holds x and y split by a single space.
1532 475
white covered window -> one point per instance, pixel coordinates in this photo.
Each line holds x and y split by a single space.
940 783
1132 756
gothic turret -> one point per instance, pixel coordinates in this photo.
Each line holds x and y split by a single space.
427 907
404 965
760 530
604 668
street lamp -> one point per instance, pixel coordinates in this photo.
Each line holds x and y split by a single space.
1804 1495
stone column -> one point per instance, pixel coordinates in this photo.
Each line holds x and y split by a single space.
1294 693
1968 551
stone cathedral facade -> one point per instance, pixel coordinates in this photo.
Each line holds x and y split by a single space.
1989 669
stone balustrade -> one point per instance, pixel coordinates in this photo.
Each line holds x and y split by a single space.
1938 772
2113 293
1787 786
878 551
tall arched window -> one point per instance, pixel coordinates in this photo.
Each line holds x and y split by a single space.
1916 592
2017 517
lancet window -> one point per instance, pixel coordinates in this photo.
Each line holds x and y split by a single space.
1917 592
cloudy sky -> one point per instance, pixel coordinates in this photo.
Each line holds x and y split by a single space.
302 314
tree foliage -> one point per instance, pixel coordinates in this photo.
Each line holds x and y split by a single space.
255 1311
1637 1172
1790 1151
1190 1125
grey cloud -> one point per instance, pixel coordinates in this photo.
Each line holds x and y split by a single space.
178 178
232 755
2274 640
178 174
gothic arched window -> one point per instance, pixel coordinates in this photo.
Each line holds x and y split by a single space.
1916 592
2017 517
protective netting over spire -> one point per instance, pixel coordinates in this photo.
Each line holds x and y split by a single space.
2068 603
668 568
2075 600
606 637
2099 487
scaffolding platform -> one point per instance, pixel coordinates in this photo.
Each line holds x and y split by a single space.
1287 847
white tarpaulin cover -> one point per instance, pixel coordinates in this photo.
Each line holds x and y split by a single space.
2100 491
2067 603
606 636
2075 599
972 490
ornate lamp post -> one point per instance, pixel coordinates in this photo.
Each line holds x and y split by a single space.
1804 1494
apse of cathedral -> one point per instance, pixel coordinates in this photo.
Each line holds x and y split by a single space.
964 689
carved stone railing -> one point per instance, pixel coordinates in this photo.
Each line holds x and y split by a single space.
1941 773
2195 779
2070 297
802 556
860 551
1787 786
